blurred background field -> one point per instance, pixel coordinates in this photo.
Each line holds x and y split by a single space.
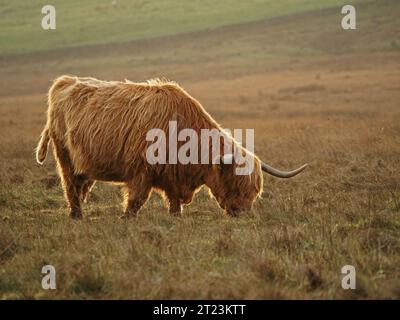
313 93
107 21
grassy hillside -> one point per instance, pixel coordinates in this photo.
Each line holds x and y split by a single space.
257 47
90 22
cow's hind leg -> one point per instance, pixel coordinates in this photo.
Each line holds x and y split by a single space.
84 185
135 197
69 181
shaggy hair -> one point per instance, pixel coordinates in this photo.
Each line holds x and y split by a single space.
98 130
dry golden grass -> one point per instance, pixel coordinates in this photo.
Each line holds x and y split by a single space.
340 113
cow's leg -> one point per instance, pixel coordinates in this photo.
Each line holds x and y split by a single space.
68 179
85 188
79 181
83 185
135 197
175 205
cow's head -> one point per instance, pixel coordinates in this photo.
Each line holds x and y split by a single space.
236 192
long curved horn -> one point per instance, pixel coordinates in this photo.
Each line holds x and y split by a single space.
281 174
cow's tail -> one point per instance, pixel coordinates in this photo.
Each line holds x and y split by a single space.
56 90
41 149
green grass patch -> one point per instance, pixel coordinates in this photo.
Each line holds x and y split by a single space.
93 22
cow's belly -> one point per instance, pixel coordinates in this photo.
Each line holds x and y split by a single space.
95 168
105 176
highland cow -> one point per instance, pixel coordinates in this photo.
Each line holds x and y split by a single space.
98 131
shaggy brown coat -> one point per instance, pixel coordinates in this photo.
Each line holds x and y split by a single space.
98 130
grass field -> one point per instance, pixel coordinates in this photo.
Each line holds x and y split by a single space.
93 21
312 92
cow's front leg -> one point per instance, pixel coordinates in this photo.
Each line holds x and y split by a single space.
175 206
135 198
